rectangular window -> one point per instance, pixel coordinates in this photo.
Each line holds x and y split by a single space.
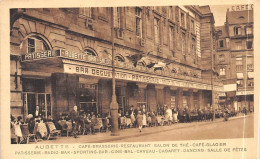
182 20
170 13
222 71
250 63
249 30
240 83
183 42
192 27
239 64
221 43
227 42
237 30
193 49
117 17
249 44
31 45
138 20
221 58
157 30
86 11
238 45
171 30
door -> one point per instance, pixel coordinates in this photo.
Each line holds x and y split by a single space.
31 103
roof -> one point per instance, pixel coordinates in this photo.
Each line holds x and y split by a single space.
240 17
204 9
223 30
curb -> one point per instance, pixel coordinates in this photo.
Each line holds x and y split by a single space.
154 132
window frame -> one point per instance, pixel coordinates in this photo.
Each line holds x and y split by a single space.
138 18
157 29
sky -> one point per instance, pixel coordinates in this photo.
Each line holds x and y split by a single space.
219 13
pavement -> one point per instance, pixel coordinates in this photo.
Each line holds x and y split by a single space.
132 132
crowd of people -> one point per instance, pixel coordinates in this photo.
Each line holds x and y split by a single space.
37 127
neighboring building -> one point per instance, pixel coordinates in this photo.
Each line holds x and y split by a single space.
61 57
235 59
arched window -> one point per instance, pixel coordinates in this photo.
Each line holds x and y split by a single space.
90 52
119 58
35 44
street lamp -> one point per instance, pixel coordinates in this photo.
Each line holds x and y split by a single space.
113 104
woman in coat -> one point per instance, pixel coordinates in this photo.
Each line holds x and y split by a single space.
139 119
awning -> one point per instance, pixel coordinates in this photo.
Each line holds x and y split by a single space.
240 76
250 75
222 94
230 87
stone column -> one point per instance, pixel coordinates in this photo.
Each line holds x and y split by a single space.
167 96
151 98
159 94
141 93
65 91
201 101
190 99
179 98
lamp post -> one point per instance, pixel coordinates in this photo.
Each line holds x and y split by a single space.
113 104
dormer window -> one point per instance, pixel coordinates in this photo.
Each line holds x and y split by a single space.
237 30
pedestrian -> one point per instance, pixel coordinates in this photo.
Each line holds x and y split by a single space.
139 119
74 115
132 119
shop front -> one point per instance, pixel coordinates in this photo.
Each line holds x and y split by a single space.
60 80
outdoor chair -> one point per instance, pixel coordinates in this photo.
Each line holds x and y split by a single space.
27 135
52 131
106 125
66 127
122 122
99 124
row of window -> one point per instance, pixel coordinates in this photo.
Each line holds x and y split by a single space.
32 41
157 22
237 31
238 45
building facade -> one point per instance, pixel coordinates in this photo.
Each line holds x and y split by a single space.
61 57
235 57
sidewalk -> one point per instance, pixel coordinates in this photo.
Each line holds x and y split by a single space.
129 133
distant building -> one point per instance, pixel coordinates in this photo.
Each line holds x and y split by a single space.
61 57
235 58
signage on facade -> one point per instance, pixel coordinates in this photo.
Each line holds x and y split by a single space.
240 93
38 55
130 76
242 7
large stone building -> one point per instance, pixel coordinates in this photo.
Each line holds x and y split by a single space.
235 57
61 57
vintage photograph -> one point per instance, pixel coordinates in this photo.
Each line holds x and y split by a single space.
131 74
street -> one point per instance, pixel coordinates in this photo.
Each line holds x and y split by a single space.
181 131
219 130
